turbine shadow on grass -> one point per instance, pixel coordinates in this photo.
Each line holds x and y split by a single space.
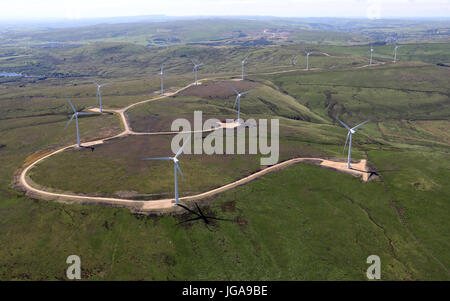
372 173
88 147
200 216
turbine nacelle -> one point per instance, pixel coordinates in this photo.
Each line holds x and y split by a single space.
100 86
196 65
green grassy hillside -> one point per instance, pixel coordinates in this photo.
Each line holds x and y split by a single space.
301 223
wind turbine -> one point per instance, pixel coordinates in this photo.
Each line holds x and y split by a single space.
307 59
294 60
395 53
371 54
163 76
195 70
238 100
99 94
76 114
176 166
351 131
243 64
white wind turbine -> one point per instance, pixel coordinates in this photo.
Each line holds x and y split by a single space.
99 94
162 76
395 53
238 100
351 131
294 60
176 167
308 53
76 114
243 66
371 55
195 70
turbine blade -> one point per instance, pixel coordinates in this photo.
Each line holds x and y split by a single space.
179 170
184 144
104 85
160 158
235 102
70 103
71 118
361 124
95 83
246 92
346 126
235 91
346 140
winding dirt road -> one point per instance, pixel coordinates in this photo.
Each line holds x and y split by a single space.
360 169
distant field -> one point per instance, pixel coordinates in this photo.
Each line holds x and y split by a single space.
213 31
433 53
115 60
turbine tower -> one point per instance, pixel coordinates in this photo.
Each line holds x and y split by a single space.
176 167
371 54
351 131
395 53
307 59
243 68
238 100
195 70
99 94
162 76
76 114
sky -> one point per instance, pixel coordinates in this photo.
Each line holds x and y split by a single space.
80 9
